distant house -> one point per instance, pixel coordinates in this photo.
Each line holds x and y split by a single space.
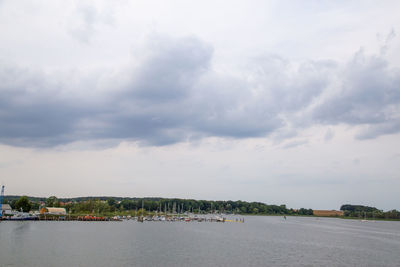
6 209
328 213
53 211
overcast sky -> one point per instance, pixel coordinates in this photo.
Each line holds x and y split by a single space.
283 102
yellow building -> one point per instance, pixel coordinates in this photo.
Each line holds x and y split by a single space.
53 211
328 213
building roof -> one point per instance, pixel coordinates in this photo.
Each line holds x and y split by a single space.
56 210
6 207
328 213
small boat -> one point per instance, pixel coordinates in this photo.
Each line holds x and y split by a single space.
23 216
365 218
219 219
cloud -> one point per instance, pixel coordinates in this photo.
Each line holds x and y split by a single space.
296 143
170 70
33 111
368 95
86 17
171 94
329 135
378 129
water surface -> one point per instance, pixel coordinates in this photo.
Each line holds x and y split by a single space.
260 241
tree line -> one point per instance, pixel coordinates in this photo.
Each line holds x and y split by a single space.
105 205
361 211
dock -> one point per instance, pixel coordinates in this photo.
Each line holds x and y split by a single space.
94 218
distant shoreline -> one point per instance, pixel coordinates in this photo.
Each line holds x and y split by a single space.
134 206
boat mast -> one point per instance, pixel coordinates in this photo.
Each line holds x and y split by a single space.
1 201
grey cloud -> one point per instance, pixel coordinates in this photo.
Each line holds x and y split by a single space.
89 16
369 95
378 129
296 143
171 69
25 109
226 107
386 41
329 135
173 95
288 87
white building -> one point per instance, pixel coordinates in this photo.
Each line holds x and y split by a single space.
6 209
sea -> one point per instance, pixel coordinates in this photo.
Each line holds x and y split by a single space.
259 241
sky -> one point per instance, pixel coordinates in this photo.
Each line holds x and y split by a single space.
281 102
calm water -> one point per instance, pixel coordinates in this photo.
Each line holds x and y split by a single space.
260 241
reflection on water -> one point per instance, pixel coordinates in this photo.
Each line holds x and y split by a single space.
20 228
260 241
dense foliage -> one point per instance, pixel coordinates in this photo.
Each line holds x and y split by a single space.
106 205
136 206
23 204
178 206
368 212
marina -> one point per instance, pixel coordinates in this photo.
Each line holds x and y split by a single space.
48 213
21 216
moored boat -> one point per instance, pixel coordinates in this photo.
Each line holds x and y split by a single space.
23 216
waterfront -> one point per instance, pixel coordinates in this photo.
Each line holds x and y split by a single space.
261 241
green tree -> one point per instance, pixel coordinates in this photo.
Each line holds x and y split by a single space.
35 205
12 203
24 204
52 202
111 202
141 212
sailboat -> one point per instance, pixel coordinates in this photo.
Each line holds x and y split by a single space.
365 217
1 201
